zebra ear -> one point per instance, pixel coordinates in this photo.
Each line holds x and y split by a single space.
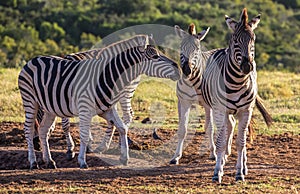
179 32
244 17
231 23
192 29
202 34
147 40
254 22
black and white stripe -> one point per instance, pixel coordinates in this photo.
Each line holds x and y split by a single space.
229 88
86 88
193 63
125 102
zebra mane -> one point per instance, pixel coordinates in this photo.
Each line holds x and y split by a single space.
120 46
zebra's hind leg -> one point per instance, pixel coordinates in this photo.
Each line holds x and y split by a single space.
183 112
112 116
44 134
29 134
241 166
105 143
70 143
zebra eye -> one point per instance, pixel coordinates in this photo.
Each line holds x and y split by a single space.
155 56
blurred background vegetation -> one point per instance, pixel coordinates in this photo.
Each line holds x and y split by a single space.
56 27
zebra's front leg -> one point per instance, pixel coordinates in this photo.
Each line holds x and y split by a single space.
241 166
220 121
44 134
209 131
230 125
113 117
105 143
70 143
85 118
183 113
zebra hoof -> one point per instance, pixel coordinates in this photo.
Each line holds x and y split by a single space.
34 165
124 161
217 179
239 177
212 157
245 171
51 165
70 155
174 161
36 144
84 166
89 149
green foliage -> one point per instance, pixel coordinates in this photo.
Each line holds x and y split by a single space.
41 27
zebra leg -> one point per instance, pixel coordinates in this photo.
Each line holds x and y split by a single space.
29 134
230 125
70 143
183 112
209 131
44 132
84 130
220 121
105 143
241 166
89 148
113 117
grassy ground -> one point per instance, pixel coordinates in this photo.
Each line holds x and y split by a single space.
157 98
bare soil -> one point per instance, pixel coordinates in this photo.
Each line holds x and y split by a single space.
273 160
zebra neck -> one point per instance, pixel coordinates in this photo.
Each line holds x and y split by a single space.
199 66
116 75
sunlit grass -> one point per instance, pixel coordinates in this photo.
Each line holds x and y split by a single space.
11 108
156 98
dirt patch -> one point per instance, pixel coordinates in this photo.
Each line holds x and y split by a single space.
276 156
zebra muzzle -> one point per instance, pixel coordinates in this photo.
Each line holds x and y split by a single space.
246 66
186 70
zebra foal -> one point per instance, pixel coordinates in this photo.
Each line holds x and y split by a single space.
86 88
229 88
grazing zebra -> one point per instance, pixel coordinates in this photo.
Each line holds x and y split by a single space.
86 88
193 63
125 102
229 88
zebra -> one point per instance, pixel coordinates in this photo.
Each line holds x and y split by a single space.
86 88
125 102
229 88
187 88
193 63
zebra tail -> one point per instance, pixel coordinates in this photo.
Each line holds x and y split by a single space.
262 109
267 117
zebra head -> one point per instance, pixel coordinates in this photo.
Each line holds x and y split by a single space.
241 44
189 47
158 64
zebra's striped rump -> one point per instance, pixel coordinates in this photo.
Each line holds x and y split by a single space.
86 88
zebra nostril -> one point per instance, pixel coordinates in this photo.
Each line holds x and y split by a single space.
186 70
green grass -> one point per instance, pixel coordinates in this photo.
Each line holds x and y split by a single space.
157 98
11 108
